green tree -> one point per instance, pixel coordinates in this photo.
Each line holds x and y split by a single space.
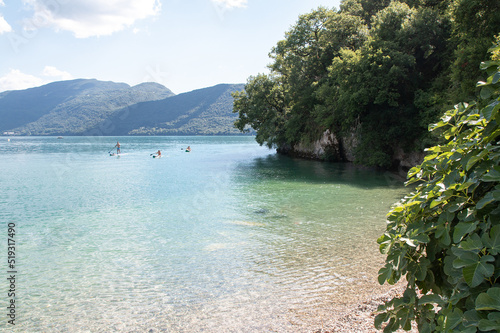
300 66
262 106
445 237
475 23
387 86
379 70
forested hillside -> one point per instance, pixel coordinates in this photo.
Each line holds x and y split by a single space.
91 107
70 107
205 111
373 75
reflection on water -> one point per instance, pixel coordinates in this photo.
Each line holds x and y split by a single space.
227 238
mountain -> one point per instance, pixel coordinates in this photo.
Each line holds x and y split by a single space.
205 111
92 107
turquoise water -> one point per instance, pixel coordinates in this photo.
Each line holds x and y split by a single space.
227 238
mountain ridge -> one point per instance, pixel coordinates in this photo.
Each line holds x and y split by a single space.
93 107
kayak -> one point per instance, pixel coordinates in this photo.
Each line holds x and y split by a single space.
156 156
188 151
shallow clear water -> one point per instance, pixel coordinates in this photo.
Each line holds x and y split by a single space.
227 238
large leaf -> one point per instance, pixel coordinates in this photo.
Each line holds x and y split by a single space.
451 319
472 244
491 110
462 229
487 92
492 241
489 300
384 274
492 176
475 274
430 299
474 159
488 198
489 325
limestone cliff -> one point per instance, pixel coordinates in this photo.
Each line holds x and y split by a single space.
332 147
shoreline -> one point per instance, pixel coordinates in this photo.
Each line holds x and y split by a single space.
359 316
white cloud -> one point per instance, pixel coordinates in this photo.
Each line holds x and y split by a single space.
16 80
231 3
86 18
4 26
53 72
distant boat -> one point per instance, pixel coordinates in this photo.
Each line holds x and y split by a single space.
59 137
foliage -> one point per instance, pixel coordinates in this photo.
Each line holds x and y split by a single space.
262 106
476 21
380 70
445 237
373 67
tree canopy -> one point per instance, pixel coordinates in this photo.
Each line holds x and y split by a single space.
382 69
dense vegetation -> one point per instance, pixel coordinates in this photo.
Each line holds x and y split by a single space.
91 107
378 70
445 237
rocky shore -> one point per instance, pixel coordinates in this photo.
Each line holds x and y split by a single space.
360 317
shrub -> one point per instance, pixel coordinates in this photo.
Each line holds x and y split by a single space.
444 237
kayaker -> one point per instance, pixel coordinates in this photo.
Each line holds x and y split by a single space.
158 153
188 149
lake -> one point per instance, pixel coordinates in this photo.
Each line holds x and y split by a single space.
229 237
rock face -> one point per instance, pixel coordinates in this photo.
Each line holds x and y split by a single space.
331 147
327 147
408 160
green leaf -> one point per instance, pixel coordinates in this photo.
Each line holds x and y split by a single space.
475 274
496 195
384 274
421 269
488 198
495 316
492 241
472 244
451 319
413 171
489 300
462 229
436 202
446 238
464 258
487 64
490 111
489 325
430 299
496 78
380 318
474 159
493 175
472 317
487 92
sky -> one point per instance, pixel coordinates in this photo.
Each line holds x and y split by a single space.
182 44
